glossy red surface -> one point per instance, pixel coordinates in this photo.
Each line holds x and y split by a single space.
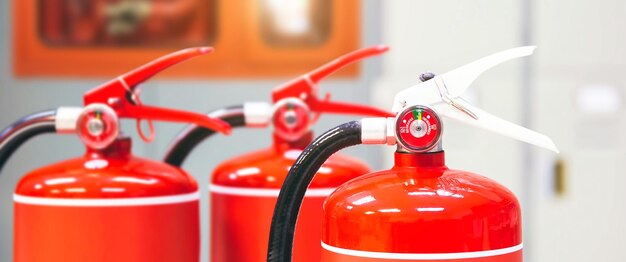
109 173
130 231
145 233
267 168
241 229
516 256
421 206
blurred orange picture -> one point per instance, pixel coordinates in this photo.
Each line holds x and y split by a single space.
252 38
127 22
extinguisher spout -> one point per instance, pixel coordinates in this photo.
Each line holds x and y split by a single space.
193 135
294 188
22 130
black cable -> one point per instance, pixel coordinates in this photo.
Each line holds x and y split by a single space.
12 137
300 176
191 136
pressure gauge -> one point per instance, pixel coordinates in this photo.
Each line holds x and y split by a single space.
418 129
291 118
98 126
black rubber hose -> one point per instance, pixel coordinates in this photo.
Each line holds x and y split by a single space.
191 136
300 176
12 137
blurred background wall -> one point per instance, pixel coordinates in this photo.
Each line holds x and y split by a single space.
572 89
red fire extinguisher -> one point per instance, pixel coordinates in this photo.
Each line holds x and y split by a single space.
244 189
107 205
419 210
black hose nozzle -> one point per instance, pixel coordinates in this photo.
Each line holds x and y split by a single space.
300 176
22 130
193 135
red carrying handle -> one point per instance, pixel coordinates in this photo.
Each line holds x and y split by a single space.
304 87
345 60
121 94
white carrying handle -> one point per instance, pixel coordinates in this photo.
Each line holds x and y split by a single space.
443 92
495 124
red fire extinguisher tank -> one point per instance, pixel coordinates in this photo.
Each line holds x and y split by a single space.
243 190
420 210
107 205
243 194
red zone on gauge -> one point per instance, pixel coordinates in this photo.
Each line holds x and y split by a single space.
418 128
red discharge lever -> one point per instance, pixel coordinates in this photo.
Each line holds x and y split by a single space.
121 94
305 86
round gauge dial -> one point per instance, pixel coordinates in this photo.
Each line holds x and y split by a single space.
418 129
98 126
291 119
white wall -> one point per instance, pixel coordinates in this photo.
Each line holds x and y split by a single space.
583 43
580 43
